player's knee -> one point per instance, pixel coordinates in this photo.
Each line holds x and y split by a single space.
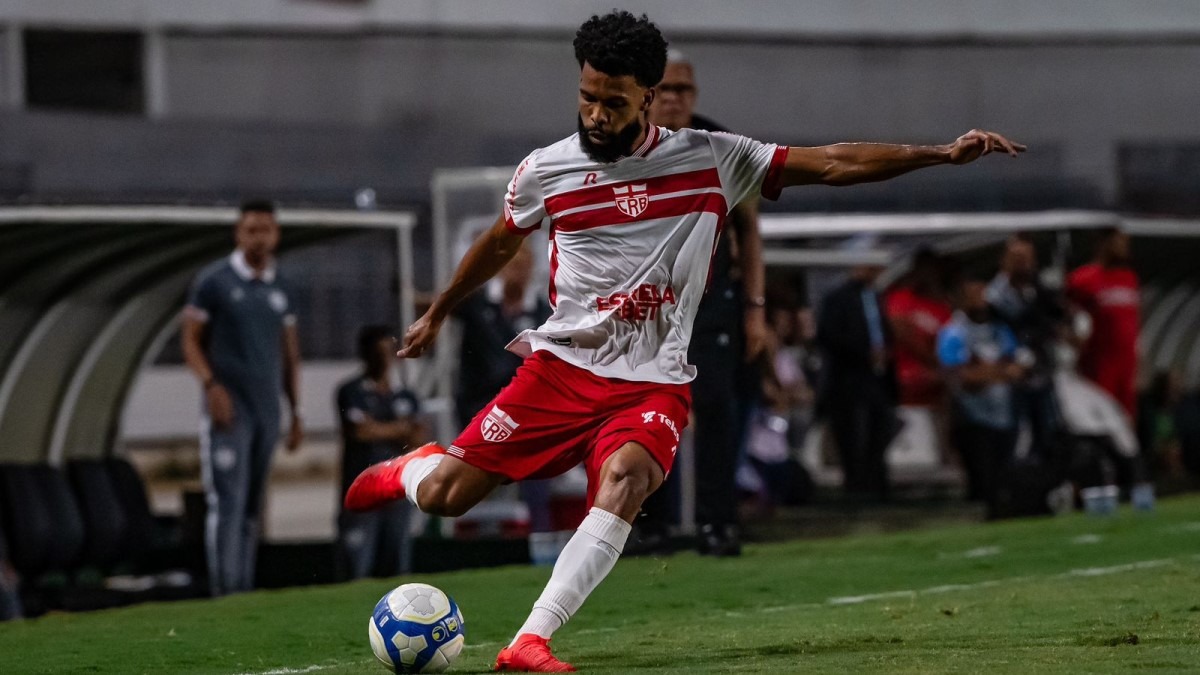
631 476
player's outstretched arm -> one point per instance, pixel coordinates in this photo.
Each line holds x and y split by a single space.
851 163
491 251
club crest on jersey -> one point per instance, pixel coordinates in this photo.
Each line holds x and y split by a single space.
631 199
497 425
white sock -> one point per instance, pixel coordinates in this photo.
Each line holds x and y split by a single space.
417 470
584 562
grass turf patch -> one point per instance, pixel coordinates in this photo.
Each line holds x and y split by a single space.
1072 594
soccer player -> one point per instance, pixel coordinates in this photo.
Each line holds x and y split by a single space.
634 212
240 340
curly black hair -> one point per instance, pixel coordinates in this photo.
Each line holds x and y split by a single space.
620 43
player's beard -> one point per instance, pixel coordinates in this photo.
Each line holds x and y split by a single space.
618 146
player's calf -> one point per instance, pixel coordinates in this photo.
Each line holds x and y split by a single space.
450 487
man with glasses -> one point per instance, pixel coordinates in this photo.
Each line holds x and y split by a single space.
729 333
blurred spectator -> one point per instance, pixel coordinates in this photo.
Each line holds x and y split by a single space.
780 420
490 319
730 330
1107 290
240 339
917 310
378 422
1036 316
859 390
1158 408
1187 425
979 351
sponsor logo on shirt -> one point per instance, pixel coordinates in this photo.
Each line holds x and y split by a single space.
641 304
631 199
497 426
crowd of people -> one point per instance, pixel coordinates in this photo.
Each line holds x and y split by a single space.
979 352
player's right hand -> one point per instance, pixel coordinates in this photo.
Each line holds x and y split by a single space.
419 337
220 405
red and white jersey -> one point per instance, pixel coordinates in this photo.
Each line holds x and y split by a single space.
631 243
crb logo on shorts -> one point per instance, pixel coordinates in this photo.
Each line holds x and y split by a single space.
497 425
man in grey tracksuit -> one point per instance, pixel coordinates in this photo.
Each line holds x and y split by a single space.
240 339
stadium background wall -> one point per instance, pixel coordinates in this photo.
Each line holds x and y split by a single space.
336 97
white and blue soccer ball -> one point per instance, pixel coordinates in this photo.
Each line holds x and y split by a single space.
417 628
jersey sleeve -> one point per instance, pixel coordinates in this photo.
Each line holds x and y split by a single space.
1077 287
897 304
952 348
524 202
747 166
202 299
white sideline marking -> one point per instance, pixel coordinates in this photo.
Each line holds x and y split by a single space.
1100 571
1082 572
1087 539
981 552
290 671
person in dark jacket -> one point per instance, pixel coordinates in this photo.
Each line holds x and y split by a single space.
859 393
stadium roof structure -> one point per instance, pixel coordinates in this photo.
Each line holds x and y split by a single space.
90 294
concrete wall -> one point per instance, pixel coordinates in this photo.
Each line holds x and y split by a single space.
914 18
318 115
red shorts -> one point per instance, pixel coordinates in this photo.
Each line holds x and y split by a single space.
554 415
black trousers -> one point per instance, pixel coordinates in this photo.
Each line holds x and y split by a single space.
987 454
863 421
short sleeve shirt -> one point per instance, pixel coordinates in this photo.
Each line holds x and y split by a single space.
358 400
245 318
963 341
632 243
1111 296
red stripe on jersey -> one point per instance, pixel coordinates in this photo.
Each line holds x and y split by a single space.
553 289
773 182
512 225
671 207
593 195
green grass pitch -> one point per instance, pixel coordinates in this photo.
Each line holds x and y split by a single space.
1076 594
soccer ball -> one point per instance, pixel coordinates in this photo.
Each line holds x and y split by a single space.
416 628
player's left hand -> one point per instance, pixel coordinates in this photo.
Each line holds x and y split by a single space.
757 333
977 143
295 434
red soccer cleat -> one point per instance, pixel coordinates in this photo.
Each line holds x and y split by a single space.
380 483
530 654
